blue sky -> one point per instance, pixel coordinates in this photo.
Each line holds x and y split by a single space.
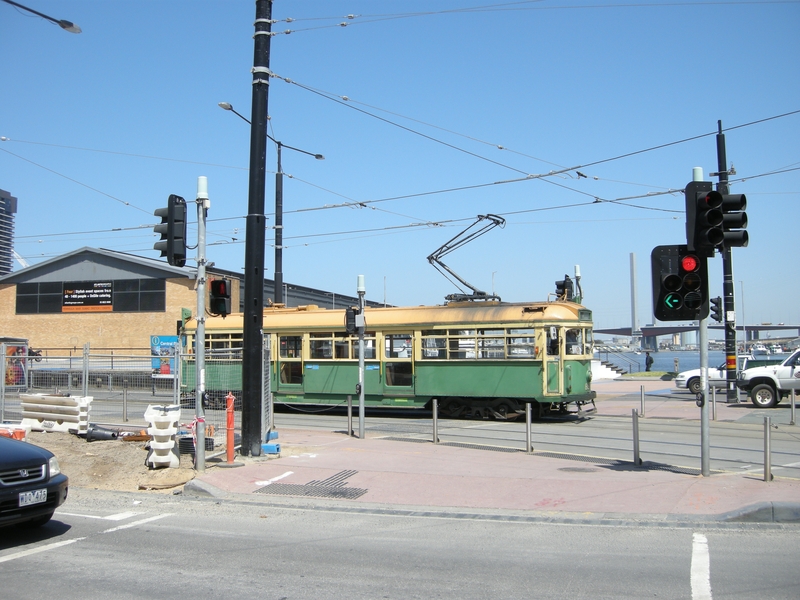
102 126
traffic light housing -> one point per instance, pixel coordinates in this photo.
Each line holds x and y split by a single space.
680 284
716 309
350 320
219 301
734 221
564 289
704 218
173 231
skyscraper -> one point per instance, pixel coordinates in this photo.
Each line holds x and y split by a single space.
8 208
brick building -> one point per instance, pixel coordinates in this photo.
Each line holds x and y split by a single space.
109 299
114 300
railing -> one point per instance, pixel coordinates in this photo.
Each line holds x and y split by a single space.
632 365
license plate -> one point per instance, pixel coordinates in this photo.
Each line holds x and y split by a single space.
34 497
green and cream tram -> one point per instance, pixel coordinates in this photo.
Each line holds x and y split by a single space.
477 359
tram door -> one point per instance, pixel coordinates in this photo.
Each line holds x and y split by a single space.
398 364
553 363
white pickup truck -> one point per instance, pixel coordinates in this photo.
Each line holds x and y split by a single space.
718 377
769 385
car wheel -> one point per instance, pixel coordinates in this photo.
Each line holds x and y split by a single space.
694 385
763 396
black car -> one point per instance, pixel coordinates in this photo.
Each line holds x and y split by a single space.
32 485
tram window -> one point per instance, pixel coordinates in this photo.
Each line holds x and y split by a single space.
342 349
369 347
321 349
434 345
462 348
399 374
521 347
553 341
574 339
290 346
397 345
589 342
491 347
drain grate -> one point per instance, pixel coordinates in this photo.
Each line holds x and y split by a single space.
332 487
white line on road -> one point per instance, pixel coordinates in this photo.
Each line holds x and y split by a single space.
52 546
274 479
136 523
701 572
117 517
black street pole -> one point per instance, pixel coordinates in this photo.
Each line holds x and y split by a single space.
278 276
727 280
252 355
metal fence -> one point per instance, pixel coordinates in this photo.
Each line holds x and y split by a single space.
123 386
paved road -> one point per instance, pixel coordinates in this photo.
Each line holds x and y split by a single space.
133 546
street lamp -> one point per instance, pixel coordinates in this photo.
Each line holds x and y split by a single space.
278 277
65 25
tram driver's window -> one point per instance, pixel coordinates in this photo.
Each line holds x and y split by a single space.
574 341
552 341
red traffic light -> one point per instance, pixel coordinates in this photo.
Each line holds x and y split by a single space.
689 263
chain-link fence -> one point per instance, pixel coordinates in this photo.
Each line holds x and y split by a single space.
124 385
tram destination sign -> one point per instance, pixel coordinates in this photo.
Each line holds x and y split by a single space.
87 296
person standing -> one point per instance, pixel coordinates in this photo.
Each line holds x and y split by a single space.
648 361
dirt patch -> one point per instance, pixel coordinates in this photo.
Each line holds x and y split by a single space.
111 464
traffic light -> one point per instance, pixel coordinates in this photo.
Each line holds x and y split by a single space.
734 221
703 218
564 289
716 309
680 284
350 320
219 302
173 231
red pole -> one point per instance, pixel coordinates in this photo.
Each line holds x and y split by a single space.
230 425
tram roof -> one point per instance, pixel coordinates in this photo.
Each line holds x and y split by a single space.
313 317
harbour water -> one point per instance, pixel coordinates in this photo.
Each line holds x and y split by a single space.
664 360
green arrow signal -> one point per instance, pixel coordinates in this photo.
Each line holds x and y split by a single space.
673 301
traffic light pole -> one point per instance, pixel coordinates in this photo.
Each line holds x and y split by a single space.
729 310
203 205
705 441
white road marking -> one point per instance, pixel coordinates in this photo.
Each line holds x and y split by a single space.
52 546
136 523
116 517
262 483
700 572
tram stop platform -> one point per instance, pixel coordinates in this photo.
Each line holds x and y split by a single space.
323 469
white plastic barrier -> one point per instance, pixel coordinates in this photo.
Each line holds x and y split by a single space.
54 412
163 421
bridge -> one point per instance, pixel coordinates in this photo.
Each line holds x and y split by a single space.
753 332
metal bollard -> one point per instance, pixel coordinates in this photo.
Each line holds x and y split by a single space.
641 399
435 421
767 450
636 458
349 415
713 404
125 401
229 429
528 445
794 397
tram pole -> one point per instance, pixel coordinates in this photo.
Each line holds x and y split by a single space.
252 334
361 325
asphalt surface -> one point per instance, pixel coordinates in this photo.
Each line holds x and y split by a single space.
331 469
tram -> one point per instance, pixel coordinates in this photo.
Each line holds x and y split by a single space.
479 360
